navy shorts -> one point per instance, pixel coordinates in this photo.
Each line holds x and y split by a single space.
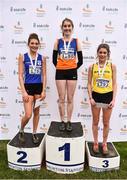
105 98
69 74
34 89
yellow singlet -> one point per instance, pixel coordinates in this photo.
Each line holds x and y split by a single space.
102 84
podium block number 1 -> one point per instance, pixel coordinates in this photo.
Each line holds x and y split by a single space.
23 155
66 149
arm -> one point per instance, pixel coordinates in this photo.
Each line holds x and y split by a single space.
114 85
20 76
55 53
89 85
79 54
43 94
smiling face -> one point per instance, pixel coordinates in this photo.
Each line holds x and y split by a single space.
34 45
67 28
102 54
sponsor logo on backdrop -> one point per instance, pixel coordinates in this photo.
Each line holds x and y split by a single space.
84 74
5 116
84 116
110 42
18 29
85 129
19 90
125 75
27 128
4 128
89 58
87 27
101 129
123 87
3 103
4 88
86 44
18 10
15 72
1 28
110 10
17 101
124 57
40 11
43 128
41 27
87 11
19 43
42 43
82 87
44 104
84 104
123 130
125 25
124 104
45 115
63 9
1 75
122 116
109 29
3 59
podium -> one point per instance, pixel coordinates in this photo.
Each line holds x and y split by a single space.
25 156
99 162
65 151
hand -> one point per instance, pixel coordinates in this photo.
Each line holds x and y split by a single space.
25 97
43 95
111 105
92 102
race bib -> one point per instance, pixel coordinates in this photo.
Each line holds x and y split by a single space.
67 55
102 83
37 70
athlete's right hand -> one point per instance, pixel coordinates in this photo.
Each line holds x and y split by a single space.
25 97
92 102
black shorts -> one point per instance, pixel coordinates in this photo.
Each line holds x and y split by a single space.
69 74
33 89
102 98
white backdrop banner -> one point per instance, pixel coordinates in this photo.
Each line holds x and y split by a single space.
95 22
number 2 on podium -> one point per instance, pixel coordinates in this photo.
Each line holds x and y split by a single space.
66 149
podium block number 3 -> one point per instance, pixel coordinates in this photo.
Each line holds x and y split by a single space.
22 157
106 164
66 149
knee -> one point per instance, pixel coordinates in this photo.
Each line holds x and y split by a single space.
106 124
28 115
95 122
69 101
61 100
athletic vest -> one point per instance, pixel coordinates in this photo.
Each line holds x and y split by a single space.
102 84
66 60
32 75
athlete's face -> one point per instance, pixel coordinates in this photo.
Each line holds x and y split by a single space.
34 45
67 28
102 54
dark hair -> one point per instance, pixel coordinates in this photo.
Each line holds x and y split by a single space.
33 36
69 20
105 46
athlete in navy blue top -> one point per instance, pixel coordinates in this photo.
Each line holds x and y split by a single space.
32 79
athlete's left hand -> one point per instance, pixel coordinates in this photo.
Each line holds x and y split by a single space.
111 105
43 95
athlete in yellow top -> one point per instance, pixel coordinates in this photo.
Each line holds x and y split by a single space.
102 92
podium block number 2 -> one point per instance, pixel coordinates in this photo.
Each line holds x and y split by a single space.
22 157
66 149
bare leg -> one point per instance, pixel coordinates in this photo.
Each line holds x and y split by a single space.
28 112
71 86
106 118
96 115
61 88
36 116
